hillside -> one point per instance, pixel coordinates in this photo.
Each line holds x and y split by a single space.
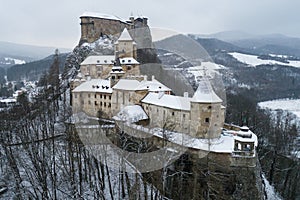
12 53
259 44
33 70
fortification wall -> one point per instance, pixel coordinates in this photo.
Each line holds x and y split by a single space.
93 28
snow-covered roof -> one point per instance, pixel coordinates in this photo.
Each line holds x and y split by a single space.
135 85
125 36
128 61
127 84
223 144
205 93
99 60
153 86
94 85
133 113
102 16
169 101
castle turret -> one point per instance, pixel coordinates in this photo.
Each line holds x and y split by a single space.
125 45
207 113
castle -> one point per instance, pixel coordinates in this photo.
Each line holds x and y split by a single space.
112 87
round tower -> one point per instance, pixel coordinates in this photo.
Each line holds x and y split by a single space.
207 112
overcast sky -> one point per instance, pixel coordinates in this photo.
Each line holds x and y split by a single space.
56 22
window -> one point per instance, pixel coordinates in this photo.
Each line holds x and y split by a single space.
101 96
89 102
104 104
209 107
183 115
89 95
109 97
75 95
173 113
101 103
95 96
128 68
113 77
109 105
104 96
96 103
207 120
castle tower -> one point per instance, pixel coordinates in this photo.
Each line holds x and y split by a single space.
207 113
125 45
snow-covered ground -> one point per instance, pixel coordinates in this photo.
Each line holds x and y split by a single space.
291 105
270 191
254 61
208 68
16 61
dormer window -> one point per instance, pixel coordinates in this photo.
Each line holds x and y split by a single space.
98 61
105 61
129 60
123 60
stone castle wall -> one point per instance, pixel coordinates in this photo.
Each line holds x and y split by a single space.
92 28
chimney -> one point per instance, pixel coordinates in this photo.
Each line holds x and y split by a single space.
153 78
110 82
186 94
145 78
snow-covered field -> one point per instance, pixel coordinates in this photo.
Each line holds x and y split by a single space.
16 61
291 105
207 67
254 61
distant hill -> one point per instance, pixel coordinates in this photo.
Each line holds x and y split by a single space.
33 70
259 44
183 46
25 53
213 45
228 36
